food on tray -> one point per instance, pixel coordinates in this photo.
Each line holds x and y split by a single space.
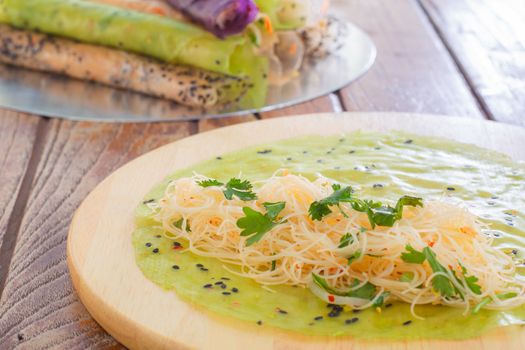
218 52
380 236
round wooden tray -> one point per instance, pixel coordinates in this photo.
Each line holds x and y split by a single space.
141 315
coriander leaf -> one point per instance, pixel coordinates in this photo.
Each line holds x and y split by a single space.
273 209
406 277
273 265
353 257
259 223
407 200
471 281
209 183
380 300
441 284
239 188
413 256
254 222
366 291
345 240
178 224
320 209
321 282
384 215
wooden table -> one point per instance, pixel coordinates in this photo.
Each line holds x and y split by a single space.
456 57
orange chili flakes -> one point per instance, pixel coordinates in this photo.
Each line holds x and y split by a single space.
431 244
467 230
331 298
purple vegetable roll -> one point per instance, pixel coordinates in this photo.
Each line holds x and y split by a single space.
221 17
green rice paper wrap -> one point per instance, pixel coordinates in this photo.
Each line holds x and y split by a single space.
150 35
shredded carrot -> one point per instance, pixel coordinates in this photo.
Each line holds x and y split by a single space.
293 49
158 11
268 25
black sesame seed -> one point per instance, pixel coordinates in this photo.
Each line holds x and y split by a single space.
318 318
219 283
207 286
204 269
259 323
226 293
225 278
218 158
351 152
451 189
406 323
408 142
223 286
351 320
148 244
148 201
334 313
265 151
284 312
377 148
289 158
199 265
158 236
388 305
355 311
175 267
378 186
20 336
156 250
235 290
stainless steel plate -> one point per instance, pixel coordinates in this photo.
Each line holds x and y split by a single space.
56 96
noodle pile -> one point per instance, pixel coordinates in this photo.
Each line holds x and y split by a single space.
292 251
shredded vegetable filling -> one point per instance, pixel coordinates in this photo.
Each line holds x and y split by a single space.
350 251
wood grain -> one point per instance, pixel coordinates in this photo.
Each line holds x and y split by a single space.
38 308
329 103
18 132
142 315
487 39
413 71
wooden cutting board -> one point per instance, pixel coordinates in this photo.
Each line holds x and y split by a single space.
141 315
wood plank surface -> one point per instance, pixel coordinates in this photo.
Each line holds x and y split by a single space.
17 134
487 38
413 71
39 308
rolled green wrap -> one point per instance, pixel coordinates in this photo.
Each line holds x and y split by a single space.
154 36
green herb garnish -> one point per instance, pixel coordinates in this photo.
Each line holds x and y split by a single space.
242 189
345 240
406 277
413 256
209 183
441 284
320 209
354 257
258 224
378 214
380 300
239 188
366 291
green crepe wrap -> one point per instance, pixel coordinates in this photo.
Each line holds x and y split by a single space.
150 35
284 14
